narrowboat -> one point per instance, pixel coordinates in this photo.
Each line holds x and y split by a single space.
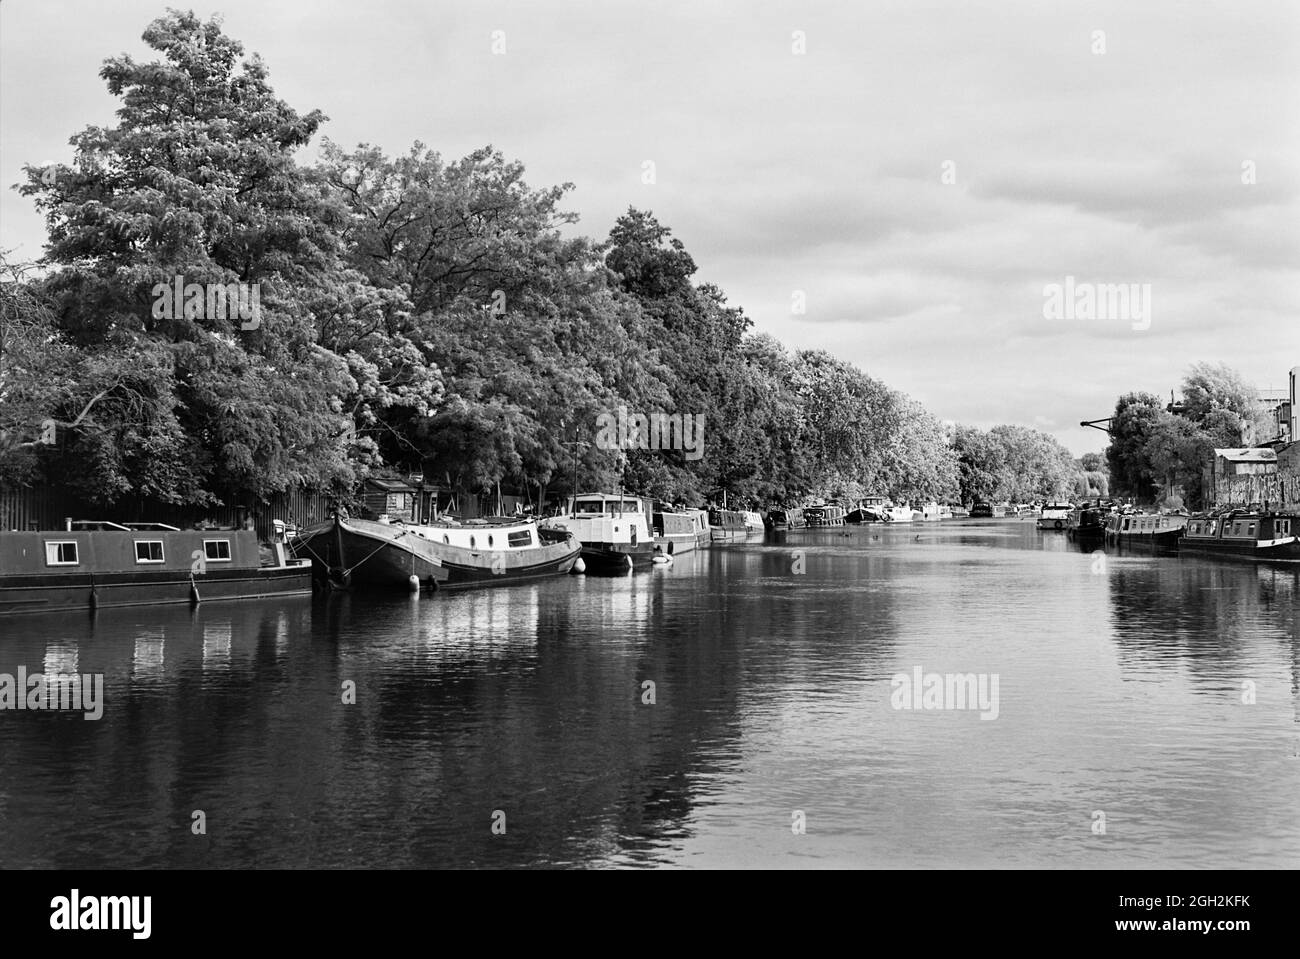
1155 530
1086 522
987 511
674 531
929 512
883 507
727 526
700 524
863 514
1260 535
753 521
1055 516
785 519
825 514
613 529
95 564
444 554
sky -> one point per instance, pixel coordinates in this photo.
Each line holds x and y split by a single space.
901 184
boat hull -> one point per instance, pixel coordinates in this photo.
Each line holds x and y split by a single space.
1249 551
87 591
782 519
617 557
377 554
675 544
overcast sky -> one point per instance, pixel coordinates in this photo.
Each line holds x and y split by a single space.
824 171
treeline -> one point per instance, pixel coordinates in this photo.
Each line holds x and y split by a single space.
1160 452
415 314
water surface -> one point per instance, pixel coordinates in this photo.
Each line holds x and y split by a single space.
1121 685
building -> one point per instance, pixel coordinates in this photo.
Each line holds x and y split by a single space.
388 497
1248 475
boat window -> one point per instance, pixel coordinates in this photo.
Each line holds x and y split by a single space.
489 540
217 550
446 539
148 551
1126 523
61 554
523 537
1250 530
471 541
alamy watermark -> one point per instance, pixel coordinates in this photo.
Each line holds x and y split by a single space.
653 431
75 912
1098 301
922 690
209 301
54 691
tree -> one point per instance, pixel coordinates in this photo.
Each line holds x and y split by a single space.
1127 460
1215 390
1012 464
197 184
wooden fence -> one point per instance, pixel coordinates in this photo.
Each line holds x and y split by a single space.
40 508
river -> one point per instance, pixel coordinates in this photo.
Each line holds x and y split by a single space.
742 707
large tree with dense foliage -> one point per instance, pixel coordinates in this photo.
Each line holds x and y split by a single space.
416 312
1012 464
1135 418
197 180
1155 452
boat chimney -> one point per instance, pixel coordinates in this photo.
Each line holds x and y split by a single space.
67 520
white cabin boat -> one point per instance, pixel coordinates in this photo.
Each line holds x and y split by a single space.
614 530
1055 516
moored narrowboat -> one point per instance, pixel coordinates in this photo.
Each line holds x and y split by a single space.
674 531
97 564
727 526
1264 536
1086 522
1156 530
786 519
825 514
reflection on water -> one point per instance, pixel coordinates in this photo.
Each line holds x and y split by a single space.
681 716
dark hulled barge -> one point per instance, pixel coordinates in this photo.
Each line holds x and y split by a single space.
448 554
98 564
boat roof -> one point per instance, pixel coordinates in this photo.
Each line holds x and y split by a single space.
85 525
